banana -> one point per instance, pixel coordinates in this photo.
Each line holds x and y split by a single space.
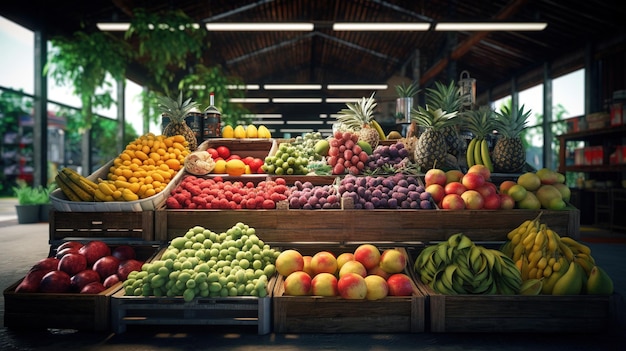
584 262
552 238
76 188
73 175
571 283
67 191
379 130
470 153
477 157
577 245
484 155
566 251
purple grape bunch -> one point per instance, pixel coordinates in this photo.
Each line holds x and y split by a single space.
392 155
398 191
306 196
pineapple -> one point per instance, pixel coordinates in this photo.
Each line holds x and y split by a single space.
447 98
177 110
479 122
431 148
509 154
359 117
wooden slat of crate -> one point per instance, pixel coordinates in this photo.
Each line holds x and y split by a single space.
516 313
364 225
112 225
317 314
236 310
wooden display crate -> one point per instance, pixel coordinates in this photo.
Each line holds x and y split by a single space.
169 311
134 227
243 147
63 310
516 313
343 226
318 314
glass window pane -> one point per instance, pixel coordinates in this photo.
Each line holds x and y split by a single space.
568 91
532 139
17 60
532 99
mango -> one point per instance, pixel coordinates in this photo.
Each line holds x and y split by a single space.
365 146
547 176
228 132
550 197
599 282
263 132
251 131
321 147
530 181
529 202
566 192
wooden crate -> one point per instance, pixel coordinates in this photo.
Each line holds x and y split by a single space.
134 227
518 314
317 314
343 226
169 311
63 310
259 148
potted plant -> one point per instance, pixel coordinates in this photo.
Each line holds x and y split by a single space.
28 202
404 102
43 197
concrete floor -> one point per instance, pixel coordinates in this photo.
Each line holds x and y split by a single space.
25 244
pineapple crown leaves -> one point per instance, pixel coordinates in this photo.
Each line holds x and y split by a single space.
175 109
436 119
510 123
358 114
410 90
480 122
445 97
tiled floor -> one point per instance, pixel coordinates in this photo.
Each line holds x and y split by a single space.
24 244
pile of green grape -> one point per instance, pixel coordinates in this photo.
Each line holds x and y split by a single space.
306 145
288 160
203 263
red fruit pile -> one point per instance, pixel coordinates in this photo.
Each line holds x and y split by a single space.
215 193
344 155
76 268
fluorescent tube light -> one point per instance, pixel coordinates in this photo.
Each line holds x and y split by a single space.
357 86
303 130
292 87
113 26
243 87
341 100
270 122
491 26
304 122
323 115
300 27
297 100
263 115
250 100
390 26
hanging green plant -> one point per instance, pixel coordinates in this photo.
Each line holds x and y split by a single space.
165 41
206 80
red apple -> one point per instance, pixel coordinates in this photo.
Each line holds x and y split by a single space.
506 185
128 266
256 164
352 286
247 160
487 189
482 169
323 262
453 202
124 252
400 285
368 255
473 181
436 191
214 154
506 202
107 265
473 200
392 261
71 243
377 287
298 284
82 278
111 280
93 288
223 151
93 250
65 251
72 263
55 282
492 202
454 188
324 284
435 176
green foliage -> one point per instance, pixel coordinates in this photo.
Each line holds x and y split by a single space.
12 106
29 195
168 44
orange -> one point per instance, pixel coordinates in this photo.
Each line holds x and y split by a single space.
220 167
235 167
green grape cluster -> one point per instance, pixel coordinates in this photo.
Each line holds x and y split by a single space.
288 160
203 263
306 145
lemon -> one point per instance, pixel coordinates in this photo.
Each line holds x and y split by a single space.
228 132
239 132
251 131
263 132
235 167
220 167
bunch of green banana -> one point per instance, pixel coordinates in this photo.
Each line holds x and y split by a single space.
478 153
458 266
561 265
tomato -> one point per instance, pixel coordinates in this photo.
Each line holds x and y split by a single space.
223 151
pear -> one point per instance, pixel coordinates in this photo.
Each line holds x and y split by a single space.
529 202
599 282
571 283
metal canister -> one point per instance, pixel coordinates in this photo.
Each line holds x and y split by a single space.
195 120
212 121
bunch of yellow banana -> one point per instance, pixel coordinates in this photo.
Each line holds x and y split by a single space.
458 266
478 154
549 263
74 186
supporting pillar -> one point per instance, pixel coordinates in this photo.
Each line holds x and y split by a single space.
40 111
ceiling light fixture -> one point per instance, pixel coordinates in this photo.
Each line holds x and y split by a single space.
341 100
304 122
113 26
491 26
298 27
292 87
244 87
389 26
249 100
357 86
296 100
